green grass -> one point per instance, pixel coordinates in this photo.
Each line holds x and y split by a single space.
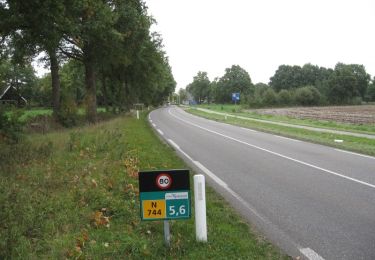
31 113
73 194
351 143
28 114
239 110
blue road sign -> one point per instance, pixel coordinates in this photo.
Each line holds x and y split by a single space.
235 97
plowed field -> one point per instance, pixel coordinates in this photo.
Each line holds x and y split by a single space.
345 114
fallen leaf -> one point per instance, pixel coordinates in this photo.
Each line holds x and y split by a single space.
94 183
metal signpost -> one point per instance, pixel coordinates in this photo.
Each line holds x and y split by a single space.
164 195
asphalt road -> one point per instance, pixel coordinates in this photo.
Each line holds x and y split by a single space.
313 201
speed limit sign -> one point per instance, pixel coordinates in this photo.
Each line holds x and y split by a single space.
163 181
164 194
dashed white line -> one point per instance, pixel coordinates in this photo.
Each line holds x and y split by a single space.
310 254
218 181
358 154
248 129
153 125
287 138
174 144
275 153
211 175
160 132
179 149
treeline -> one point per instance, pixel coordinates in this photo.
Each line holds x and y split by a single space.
98 52
290 85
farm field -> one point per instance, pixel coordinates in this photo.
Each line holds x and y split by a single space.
342 114
349 142
356 119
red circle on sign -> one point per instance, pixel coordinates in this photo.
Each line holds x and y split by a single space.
163 181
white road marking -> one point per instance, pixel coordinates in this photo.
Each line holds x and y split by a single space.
211 175
248 129
358 154
310 254
218 181
275 153
160 132
153 125
179 149
287 138
150 120
174 144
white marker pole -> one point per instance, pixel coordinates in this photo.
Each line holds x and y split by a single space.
137 114
200 208
167 234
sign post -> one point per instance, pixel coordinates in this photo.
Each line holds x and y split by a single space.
235 97
164 195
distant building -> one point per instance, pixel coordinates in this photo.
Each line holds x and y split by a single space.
12 96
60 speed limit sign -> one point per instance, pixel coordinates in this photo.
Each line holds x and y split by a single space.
164 194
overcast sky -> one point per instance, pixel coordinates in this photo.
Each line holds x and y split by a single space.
260 35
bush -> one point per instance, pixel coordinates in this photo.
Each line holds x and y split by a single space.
285 97
370 94
11 127
269 97
254 101
356 101
68 115
307 96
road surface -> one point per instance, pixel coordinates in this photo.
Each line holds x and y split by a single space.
313 201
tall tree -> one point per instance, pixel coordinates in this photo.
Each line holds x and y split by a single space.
370 95
200 87
35 27
347 82
183 95
235 79
287 77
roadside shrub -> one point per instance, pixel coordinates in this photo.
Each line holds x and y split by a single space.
370 94
285 97
269 97
255 101
356 101
307 96
11 127
68 115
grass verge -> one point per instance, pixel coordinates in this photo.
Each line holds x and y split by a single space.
73 194
351 143
35 112
239 111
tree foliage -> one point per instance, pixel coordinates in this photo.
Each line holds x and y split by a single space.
347 82
235 79
200 88
110 55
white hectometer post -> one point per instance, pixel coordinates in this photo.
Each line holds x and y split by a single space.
200 208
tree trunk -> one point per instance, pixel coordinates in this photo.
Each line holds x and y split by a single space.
105 92
90 90
55 82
